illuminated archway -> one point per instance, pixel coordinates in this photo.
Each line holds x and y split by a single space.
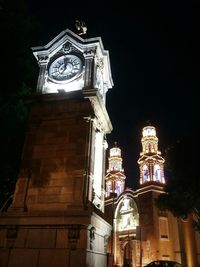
126 220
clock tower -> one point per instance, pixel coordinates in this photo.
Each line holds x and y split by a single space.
69 63
57 211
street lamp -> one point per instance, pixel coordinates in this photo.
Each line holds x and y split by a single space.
139 237
113 195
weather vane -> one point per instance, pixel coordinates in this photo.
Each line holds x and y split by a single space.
81 27
148 122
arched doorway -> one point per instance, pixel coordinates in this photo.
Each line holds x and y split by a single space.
126 220
127 259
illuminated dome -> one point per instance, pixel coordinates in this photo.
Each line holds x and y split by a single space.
115 151
149 131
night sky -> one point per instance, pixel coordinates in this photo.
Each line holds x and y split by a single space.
155 65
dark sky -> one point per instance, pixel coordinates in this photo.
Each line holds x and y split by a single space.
155 64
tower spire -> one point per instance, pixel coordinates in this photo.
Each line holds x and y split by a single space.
115 177
150 161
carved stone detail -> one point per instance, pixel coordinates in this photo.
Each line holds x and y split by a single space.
68 48
92 237
99 62
43 59
89 53
97 202
73 235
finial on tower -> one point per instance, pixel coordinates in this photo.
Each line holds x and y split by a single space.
149 123
81 27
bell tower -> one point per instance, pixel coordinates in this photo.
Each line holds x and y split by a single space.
115 178
150 161
59 194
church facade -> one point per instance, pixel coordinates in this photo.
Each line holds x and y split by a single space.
141 232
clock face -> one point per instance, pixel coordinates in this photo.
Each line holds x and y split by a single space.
65 68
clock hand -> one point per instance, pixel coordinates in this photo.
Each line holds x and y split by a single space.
65 62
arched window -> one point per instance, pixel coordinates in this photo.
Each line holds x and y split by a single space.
126 214
157 174
145 173
108 188
118 187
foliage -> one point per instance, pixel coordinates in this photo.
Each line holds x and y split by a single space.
182 192
13 116
18 74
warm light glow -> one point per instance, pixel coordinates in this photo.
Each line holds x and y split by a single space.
118 187
115 164
115 173
115 152
108 188
149 131
157 174
127 215
150 161
145 173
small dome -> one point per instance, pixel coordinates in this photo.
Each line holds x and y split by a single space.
149 131
115 151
